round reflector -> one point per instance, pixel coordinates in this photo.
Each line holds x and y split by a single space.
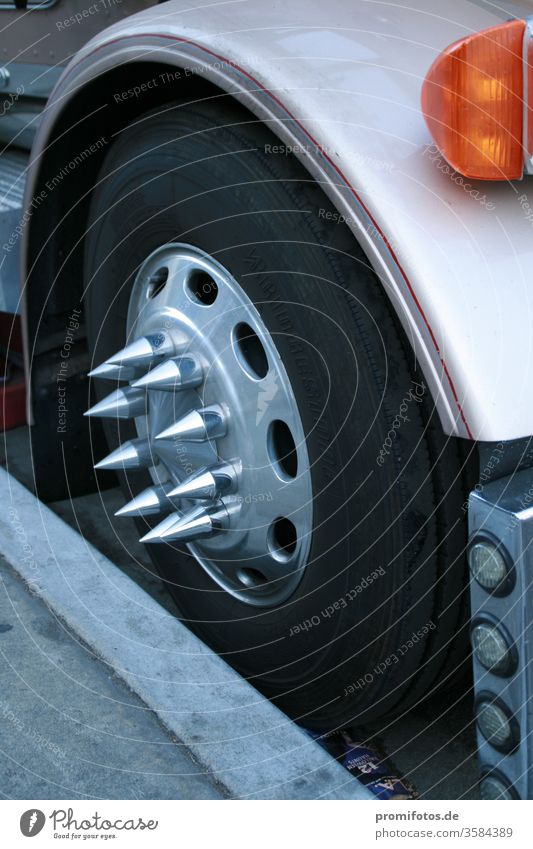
490 566
496 724
492 647
493 785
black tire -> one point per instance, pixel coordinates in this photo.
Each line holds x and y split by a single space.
337 651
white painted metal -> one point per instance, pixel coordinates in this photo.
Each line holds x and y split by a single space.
341 82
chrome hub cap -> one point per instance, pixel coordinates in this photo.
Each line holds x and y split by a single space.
217 426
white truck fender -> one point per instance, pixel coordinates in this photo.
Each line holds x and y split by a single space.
339 84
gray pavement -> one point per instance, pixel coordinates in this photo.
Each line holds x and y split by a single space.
69 728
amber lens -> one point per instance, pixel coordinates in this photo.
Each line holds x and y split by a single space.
472 103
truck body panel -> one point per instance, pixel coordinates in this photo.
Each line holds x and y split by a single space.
340 86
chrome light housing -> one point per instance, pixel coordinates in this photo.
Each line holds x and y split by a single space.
490 565
496 723
492 646
494 785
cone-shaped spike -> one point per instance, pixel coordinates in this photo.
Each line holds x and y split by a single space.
107 371
195 523
181 373
144 351
149 502
134 454
209 483
121 404
197 426
163 526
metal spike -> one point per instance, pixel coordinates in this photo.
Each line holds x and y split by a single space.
107 371
207 483
121 404
180 373
195 523
144 351
134 454
149 502
161 528
197 426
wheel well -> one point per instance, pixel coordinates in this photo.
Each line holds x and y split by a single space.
56 218
86 129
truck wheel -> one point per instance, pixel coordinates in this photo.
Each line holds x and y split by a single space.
275 440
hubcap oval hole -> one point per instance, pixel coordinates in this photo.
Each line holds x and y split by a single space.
249 351
251 578
157 282
282 450
201 288
282 539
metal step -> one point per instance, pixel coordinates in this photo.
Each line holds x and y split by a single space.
12 180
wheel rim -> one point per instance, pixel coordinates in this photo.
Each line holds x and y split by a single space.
218 427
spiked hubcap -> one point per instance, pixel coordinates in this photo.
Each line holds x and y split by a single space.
218 427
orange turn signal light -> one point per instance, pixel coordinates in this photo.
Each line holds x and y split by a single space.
472 100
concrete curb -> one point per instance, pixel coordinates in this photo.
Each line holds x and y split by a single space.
245 743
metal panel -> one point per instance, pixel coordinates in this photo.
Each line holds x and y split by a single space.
12 179
342 82
54 32
504 508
